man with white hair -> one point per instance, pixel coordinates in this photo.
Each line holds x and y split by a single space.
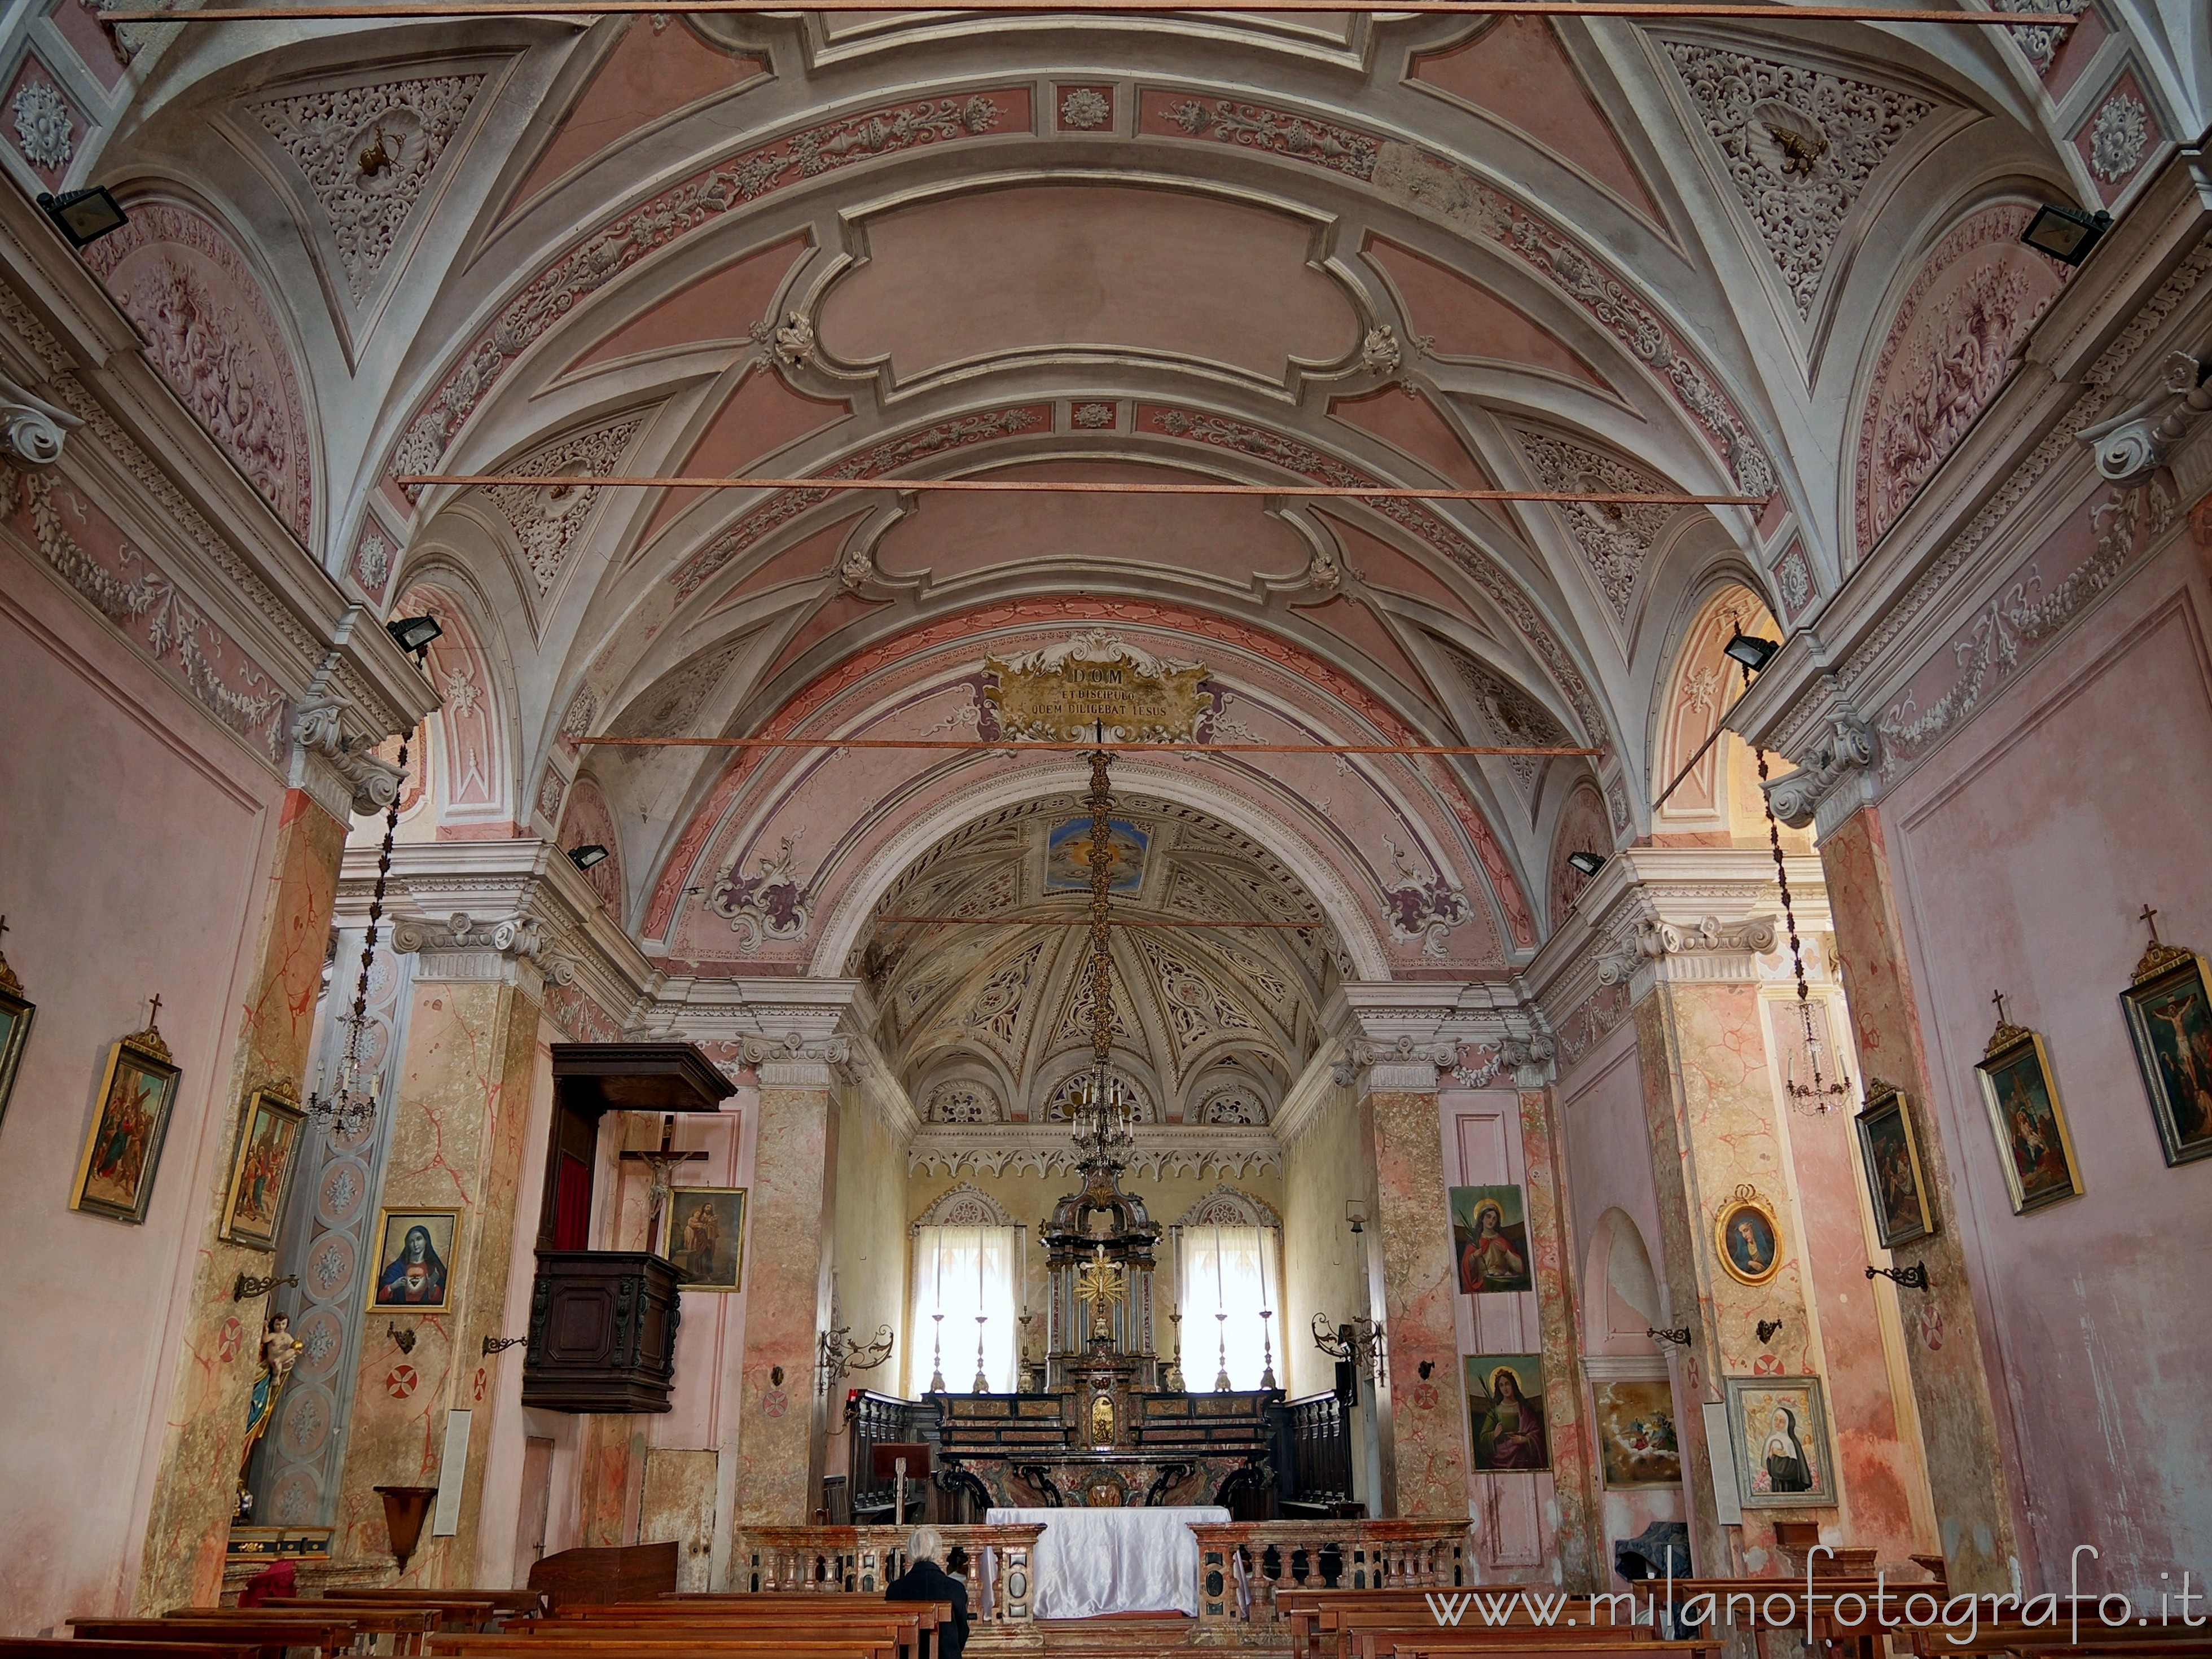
926 1580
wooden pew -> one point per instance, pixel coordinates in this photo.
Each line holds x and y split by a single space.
513 1603
1318 1617
740 1614
625 1572
405 1625
1451 1645
234 1628
796 1640
63 1647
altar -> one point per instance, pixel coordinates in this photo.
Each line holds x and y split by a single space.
1088 1562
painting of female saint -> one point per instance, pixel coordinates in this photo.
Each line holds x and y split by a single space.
1899 1191
2169 1014
2034 1148
261 1170
1781 1442
1637 1444
115 1176
1506 1402
703 1233
414 1258
1747 1238
1490 1240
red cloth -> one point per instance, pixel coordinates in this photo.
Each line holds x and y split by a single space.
278 1579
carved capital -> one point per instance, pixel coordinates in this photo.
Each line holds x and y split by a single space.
1405 1062
796 1048
32 430
1530 1058
2131 447
1849 746
492 944
371 784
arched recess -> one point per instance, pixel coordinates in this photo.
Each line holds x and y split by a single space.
1718 802
471 745
1229 1207
1636 1410
587 821
1625 1300
965 1205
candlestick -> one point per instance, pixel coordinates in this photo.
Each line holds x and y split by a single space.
937 1357
1173 1382
940 1270
1221 1383
1267 1351
982 1383
1023 1233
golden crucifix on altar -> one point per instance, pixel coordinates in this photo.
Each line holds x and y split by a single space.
1103 1284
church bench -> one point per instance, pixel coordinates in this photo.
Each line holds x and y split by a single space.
406 1625
449 1612
1378 1641
64 1647
235 1626
797 1640
1452 1644
512 1602
1314 1616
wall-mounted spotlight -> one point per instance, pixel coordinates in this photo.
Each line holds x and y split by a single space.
591 854
1751 651
2066 234
1589 863
84 215
414 633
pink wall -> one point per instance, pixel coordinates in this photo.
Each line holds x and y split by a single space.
133 845
2025 847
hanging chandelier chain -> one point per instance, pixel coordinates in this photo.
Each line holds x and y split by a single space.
1821 1095
348 1110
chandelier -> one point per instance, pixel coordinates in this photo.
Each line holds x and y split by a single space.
348 1112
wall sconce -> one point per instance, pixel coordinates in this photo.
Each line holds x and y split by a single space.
498 1343
1427 1369
1359 1343
404 1339
1753 653
1914 1278
1680 1336
414 634
1355 1214
589 856
84 215
775 1377
250 1289
1767 1328
1589 863
2065 234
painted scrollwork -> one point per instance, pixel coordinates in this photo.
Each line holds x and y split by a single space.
770 905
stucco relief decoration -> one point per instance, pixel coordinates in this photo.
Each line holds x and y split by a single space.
552 790
1425 908
962 1100
670 706
43 130
1616 538
677 212
965 1205
1194 1007
772 904
2119 137
1058 1103
1232 1102
1793 581
2039 42
1059 692
1084 108
1800 145
1093 417
583 709
372 560
1949 350
893 452
367 154
1616 804
210 332
1253 126
1229 1206
996 1009
92 555
545 519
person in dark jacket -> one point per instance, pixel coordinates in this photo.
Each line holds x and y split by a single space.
926 1580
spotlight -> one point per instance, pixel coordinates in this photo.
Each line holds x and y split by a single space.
1751 651
414 633
2065 234
84 215
591 854
1589 863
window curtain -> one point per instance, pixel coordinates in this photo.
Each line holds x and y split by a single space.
961 1271
1236 1271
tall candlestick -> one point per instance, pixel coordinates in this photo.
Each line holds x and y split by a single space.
940 1270
979 1270
1262 1237
1220 1296
1024 1233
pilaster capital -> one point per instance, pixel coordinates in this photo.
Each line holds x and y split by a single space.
1397 1034
32 430
333 738
1834 777
808 1033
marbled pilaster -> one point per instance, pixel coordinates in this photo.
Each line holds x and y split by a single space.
190 1520
1574 1477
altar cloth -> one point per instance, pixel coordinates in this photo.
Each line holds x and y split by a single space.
1133 1560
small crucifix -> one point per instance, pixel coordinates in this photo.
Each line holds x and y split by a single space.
1997 997
154 1018
2149 918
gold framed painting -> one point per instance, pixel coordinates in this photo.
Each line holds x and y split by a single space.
413 1260
2169 1013
122 1150
15 1012
702 1231
1902 1212
2034 1147
1747 1237
1636 1439
261 1169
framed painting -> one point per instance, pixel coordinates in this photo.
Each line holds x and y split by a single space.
413 1260
702 1231
2036 1152
1637 1442
1894 1180
1778 1431
1747 1237
14 1030
1506 1406
261 1169
1490 1240
115 1178
2169 1013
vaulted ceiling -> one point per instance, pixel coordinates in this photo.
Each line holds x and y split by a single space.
1336 249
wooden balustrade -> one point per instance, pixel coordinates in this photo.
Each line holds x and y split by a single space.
1243 1565
865 1559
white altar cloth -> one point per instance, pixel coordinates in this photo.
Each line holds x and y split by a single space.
1133 1560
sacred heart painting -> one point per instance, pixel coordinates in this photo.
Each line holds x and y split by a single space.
1490 1240
115 1178
1637 1445
415 1260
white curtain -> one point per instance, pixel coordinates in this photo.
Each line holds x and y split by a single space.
961 1271
1236 1271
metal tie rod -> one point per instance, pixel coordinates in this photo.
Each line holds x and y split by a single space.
1058 486
1053 747
402 9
